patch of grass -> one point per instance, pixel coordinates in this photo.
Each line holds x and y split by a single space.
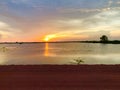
77 61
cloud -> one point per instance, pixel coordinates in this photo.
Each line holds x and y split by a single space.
92 26
118 2
110 2
110 17
7 31
65 18
18 1
83 10
0 36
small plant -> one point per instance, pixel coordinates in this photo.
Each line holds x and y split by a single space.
77 61
4 49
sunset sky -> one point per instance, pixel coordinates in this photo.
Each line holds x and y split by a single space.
59 20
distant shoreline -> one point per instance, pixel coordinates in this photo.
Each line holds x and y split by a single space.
108 42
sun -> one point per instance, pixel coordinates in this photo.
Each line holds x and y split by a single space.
49 37
46 39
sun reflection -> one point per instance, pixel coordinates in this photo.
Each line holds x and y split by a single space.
46 49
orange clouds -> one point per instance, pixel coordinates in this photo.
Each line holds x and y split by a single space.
63 36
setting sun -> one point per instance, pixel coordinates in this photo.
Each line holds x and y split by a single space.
49 37
46 39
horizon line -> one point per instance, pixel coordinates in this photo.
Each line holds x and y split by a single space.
51 41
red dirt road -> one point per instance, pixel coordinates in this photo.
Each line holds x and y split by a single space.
60 77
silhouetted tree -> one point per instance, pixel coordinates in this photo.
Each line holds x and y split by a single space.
104 38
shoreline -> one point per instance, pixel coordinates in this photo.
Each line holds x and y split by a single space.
108 42
62 68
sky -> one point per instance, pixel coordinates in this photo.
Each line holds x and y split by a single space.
58 20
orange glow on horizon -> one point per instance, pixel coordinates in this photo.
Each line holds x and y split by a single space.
64 37
49 37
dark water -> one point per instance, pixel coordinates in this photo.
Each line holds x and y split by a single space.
59 53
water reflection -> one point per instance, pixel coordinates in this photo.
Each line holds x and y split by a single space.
3 49
3 57
46 53
59 53
49 50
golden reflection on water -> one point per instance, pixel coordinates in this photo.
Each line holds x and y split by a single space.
46 50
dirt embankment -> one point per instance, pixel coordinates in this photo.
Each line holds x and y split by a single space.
60 77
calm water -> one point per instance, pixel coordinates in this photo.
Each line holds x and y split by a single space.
59 53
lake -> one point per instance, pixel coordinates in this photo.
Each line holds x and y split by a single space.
59 53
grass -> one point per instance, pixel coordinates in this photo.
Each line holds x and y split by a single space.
77 61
